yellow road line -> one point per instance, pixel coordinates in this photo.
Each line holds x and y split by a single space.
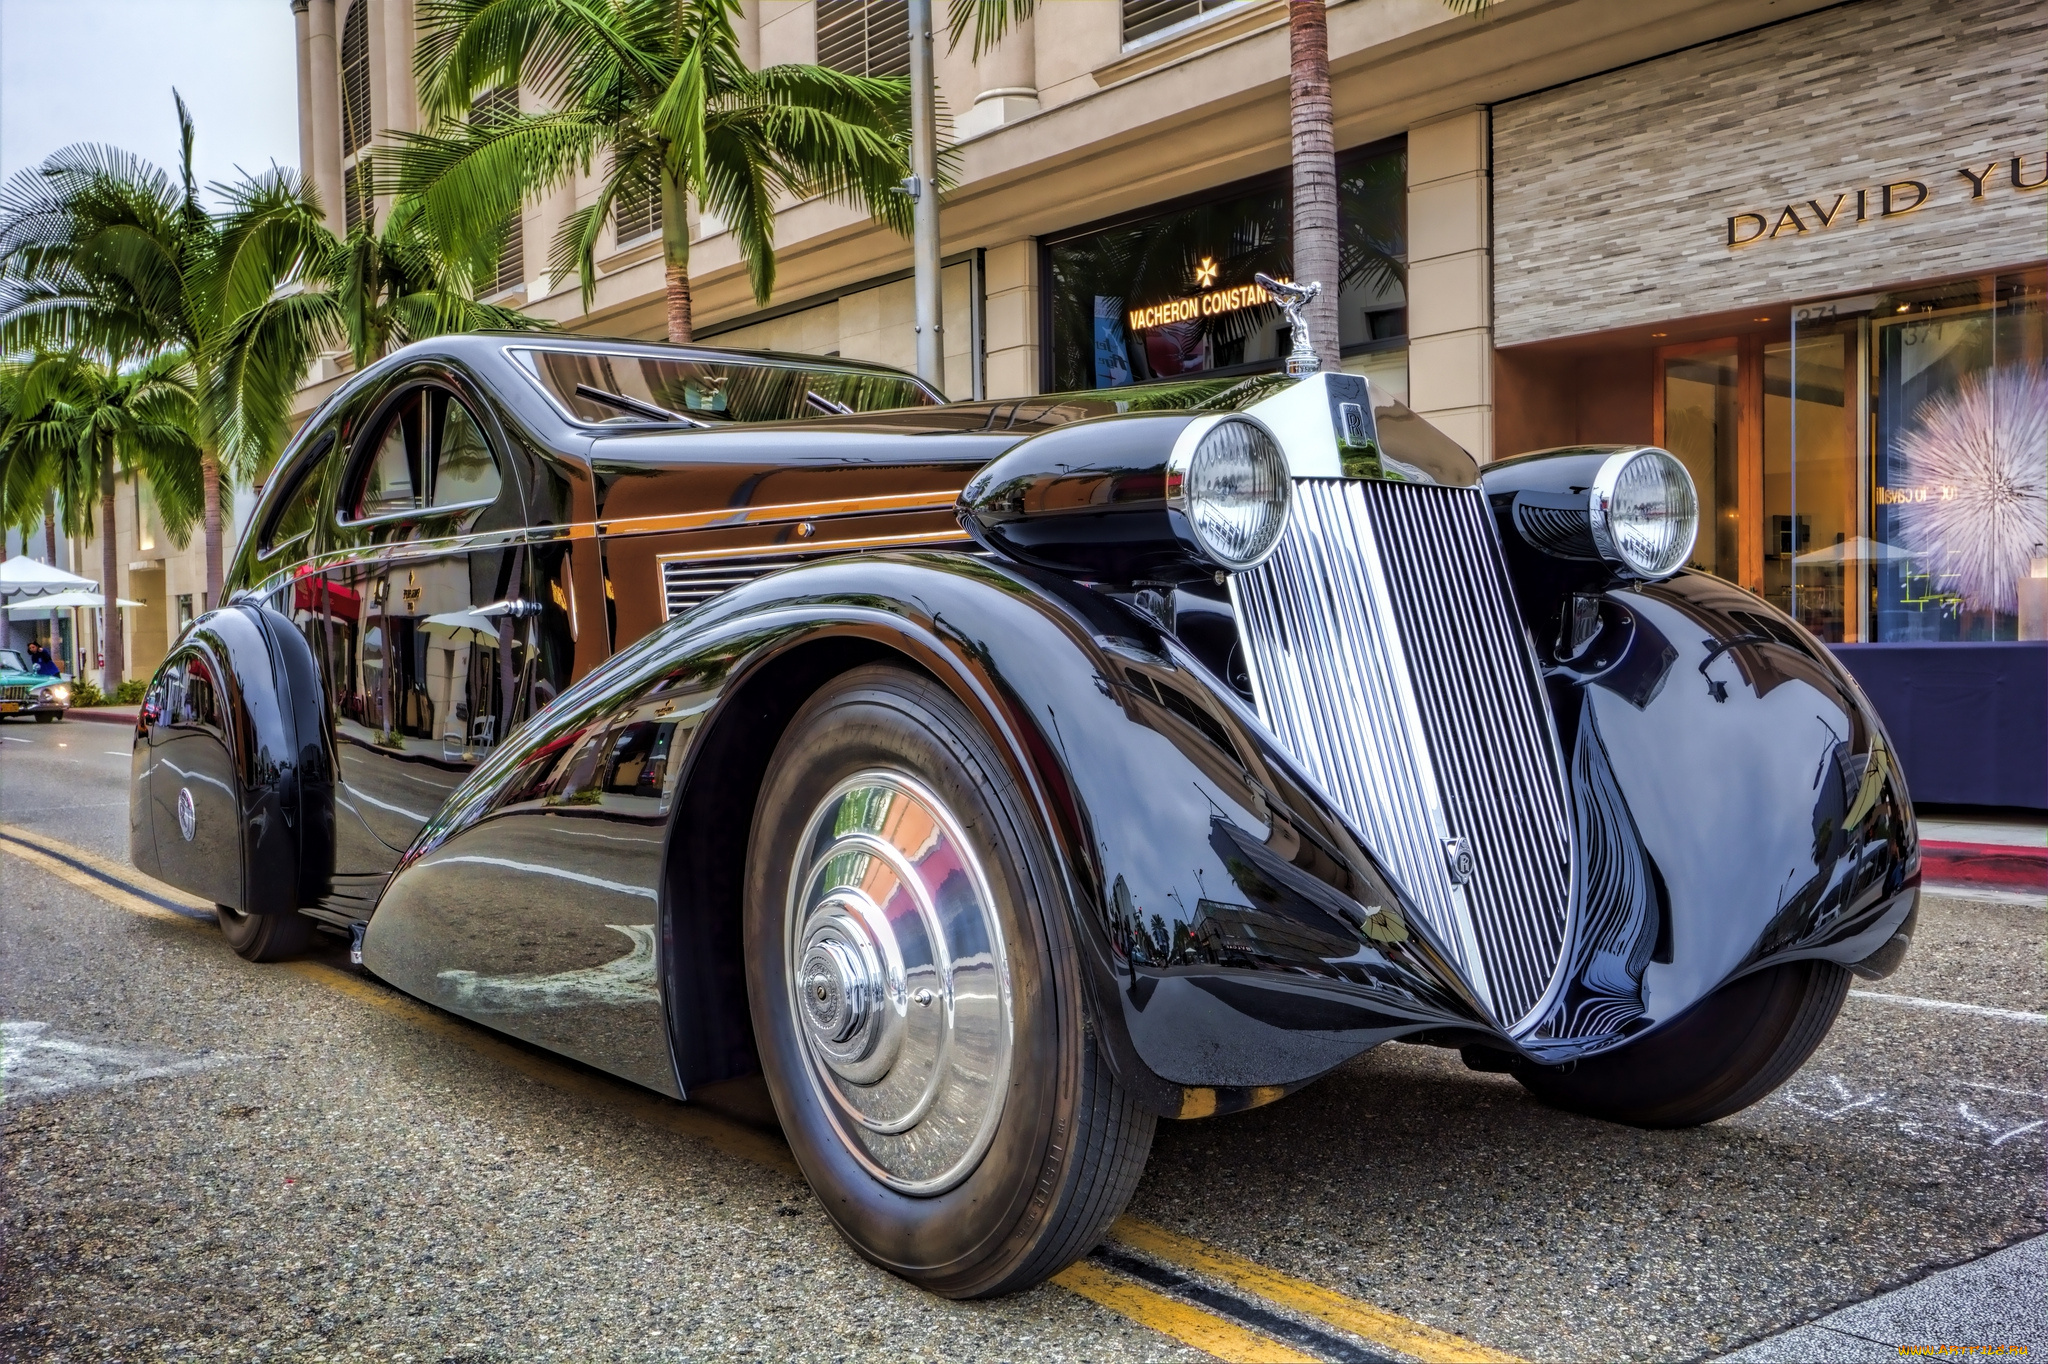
1190 1325
63 871
1171 1317
1346 1314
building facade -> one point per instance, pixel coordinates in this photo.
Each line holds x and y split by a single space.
1802 244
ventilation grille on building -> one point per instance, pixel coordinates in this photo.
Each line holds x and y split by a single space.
355 78
1142 18
636 212
865 37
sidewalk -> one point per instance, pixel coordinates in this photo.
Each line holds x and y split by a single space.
2006 851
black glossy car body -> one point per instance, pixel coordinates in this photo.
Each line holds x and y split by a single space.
517 732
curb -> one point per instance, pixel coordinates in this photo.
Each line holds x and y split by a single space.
105 715
2006 866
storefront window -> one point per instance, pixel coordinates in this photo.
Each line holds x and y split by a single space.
1960 429
1171 293
1876 467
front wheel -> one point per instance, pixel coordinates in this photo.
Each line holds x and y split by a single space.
916 997
1730 1050
46 717
264 937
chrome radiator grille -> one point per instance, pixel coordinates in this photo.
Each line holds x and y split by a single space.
1386 654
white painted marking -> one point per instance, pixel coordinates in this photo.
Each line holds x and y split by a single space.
1917 1114
12 740
37 1065
115 752
534 867
627 980
1951 1006
1950 890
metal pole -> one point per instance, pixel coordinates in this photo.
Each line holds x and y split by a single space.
924 162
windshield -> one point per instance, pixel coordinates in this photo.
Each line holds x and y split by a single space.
12 662
628 389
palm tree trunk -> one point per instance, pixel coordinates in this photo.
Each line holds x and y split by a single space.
1315 169
50 528
675 255
209 477
110 611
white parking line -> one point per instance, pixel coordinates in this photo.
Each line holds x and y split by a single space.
1950 1006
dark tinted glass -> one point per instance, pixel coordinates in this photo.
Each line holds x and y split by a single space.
720 391
464 472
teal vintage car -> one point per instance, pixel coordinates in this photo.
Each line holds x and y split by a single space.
24 692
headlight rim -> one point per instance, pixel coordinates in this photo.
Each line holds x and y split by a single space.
1180 464
1600 511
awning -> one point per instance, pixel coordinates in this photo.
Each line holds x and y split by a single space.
310 594
22 575
64 601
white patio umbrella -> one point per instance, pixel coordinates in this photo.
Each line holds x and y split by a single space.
463 627
59 601
23 576
1859 549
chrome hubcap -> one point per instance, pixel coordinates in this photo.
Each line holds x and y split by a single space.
899 986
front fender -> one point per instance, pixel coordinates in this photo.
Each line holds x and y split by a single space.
1773 823
1236 940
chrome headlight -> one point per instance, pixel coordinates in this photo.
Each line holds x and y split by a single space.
56 695
1645 513
1228 479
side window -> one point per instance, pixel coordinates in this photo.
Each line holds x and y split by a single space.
430 454
297 508
464 472
189 696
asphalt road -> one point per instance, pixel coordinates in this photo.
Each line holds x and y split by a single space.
207 1159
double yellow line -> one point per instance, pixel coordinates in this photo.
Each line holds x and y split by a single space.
1212 1332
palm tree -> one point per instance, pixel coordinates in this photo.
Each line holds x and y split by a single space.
658 90
79 423
1319 254
101 250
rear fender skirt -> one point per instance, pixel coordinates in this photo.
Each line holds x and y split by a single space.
1236 939
274 749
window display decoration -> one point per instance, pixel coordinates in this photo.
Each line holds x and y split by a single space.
1976 458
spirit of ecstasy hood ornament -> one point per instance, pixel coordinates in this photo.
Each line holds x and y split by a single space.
1302 361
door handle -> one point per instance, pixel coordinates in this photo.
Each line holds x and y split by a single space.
515 608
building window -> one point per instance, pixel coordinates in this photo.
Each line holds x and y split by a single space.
865 37
1143 18
184 611
509 272
355 78
636 212
1170 293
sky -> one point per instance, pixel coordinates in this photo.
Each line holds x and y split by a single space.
103 70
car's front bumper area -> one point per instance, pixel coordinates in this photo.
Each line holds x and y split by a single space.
20 700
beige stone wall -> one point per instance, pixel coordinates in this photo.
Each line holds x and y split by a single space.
1450 316
1613 194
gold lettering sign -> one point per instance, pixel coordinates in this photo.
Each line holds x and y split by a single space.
1865 203
1208 303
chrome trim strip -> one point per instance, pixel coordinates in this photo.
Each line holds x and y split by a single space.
777 513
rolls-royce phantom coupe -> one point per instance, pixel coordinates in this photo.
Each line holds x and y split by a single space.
994 779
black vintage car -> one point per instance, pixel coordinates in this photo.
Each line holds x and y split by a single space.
997 778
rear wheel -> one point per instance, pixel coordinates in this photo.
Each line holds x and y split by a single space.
916 997
1730 1050
264 937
